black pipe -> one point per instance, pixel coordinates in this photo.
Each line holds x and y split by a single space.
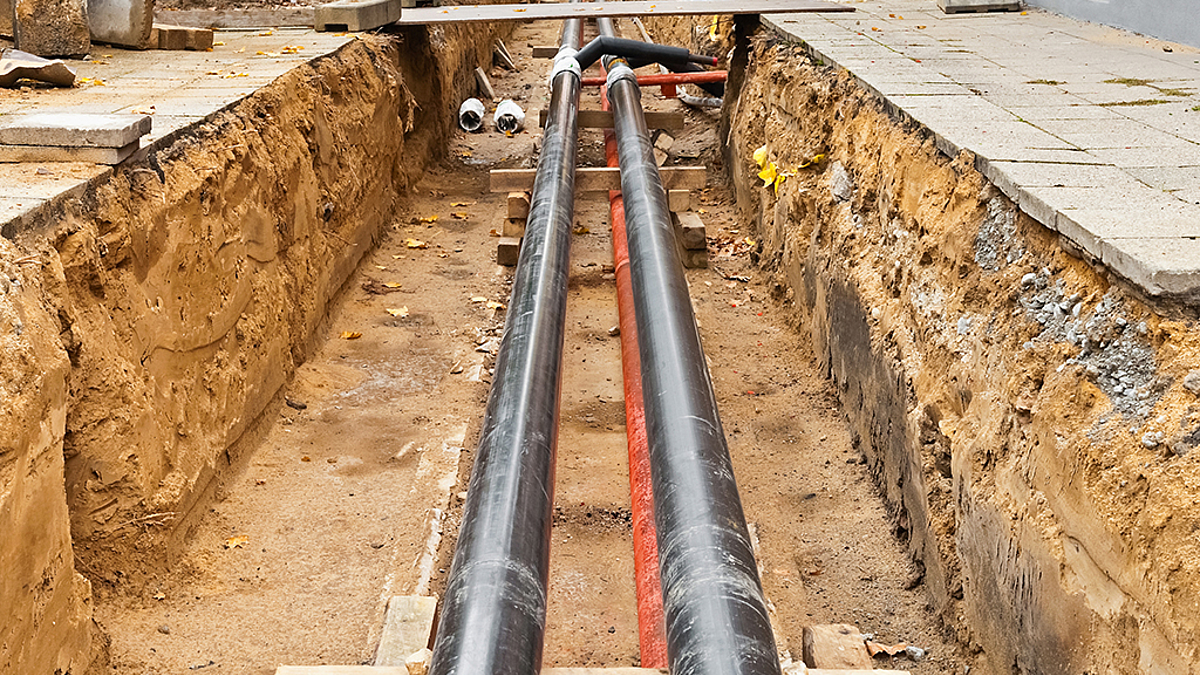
493 615
638 51
716 616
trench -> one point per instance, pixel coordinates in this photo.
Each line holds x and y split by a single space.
251 471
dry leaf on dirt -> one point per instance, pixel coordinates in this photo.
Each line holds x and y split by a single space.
416 243
459 215
479 298
399 311
350 335
492 304
238 541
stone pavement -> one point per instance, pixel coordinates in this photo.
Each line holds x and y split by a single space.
1092 131
178 89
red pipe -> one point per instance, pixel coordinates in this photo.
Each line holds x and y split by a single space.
652 638
667 78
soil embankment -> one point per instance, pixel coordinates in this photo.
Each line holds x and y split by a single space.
1030 420
153 321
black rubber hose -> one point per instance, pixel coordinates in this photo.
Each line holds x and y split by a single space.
493 615
641 52
712 88
716 616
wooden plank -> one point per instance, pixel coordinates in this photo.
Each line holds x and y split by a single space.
340 670
837 646
603 119
601 179
407 627
602 671
564 10
279 17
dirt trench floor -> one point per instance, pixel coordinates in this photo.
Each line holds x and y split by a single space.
342 504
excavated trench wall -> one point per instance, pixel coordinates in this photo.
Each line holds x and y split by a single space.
1031 422
146 327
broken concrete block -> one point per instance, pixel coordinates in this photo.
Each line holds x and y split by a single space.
122 22
508 251
165 36
16 64
518 205
356 15
838 646
51 27
73 129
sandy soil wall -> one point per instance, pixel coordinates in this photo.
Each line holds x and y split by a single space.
147 327
1031 422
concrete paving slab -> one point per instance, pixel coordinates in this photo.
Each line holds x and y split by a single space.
1055 115
74 129
1160 266
176 89
356 15
58 153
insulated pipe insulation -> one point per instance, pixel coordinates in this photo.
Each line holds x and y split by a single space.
642 52
652 638
716 615
493 615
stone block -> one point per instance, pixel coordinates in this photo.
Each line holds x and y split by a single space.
74 129
1160 266
127 23
356 15
51 27
179 38
508 251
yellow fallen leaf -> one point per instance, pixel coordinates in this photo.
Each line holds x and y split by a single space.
816 159
212 72
768 174
492 304
459 215
381 268
147 110
493 232
415 243
779 181
238 541
760 156
350 335
265 33
581 229
464 153
291 49
462 203
479 298
428 219
400 311
392 284
159 596
218 44
749 241
712 29
242 50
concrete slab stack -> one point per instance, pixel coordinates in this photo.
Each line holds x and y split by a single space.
71 137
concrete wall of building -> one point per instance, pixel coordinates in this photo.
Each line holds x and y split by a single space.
1174 20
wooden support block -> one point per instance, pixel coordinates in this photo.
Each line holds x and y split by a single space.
603 119
601 178
831 671
693 260
165 36
340 670
518 204
513 227
679 200
690 230
838 646
407 627
508 251
544 51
